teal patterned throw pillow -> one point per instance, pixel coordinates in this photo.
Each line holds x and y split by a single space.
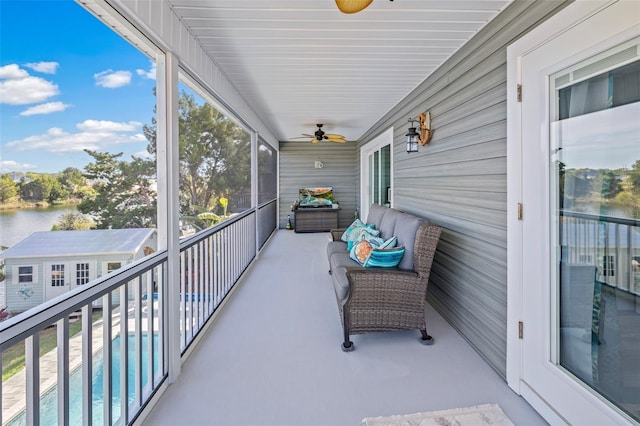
384 257
391 242
361 249
355 231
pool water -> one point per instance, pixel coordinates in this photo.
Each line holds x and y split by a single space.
49 400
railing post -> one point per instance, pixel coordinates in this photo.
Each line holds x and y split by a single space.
107 385
87 367
62 327
32 367
254 188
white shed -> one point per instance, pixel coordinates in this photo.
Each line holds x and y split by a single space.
47 264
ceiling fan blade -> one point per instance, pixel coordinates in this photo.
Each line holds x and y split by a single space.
314 140
352 6
337 140
304 136
333 135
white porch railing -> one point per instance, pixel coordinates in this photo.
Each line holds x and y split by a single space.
609 243
109 369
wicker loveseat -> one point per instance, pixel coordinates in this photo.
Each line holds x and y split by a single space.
383 299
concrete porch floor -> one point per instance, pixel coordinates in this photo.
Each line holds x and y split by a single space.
273 357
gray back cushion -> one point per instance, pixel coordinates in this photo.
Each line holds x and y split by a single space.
406 226
388 224
376 213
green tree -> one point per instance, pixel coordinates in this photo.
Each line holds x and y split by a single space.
72 181
41 187
8 188
123 195
73 221
577 183
606 184
214 156
634 177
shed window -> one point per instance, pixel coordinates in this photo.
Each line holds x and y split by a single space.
82 273
57 275
25 274
112 266
608 266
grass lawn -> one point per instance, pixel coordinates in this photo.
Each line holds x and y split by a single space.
13 358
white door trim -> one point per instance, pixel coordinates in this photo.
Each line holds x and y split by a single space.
383 139
555 27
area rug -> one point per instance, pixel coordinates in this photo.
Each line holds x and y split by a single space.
488 414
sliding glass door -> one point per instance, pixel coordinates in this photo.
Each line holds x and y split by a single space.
376 163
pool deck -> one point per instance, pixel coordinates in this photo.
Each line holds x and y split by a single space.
14 388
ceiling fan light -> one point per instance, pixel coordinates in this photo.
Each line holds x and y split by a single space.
352 6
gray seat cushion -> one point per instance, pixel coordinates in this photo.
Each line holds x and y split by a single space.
336 247
340 283
339 263
342 260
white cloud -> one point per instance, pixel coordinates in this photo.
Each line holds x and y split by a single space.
94 134
12 71
47 108
17 87
108 126
142 154
13 166
43 67
151 74
112 79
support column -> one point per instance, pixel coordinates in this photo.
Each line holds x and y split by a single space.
168 200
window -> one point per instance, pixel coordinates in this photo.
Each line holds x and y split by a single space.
267 172
57 275
608 266
112 266
25 274
215 160
82 273
585 258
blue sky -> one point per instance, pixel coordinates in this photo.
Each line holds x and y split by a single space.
67 82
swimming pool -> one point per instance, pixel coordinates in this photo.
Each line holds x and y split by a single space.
49 400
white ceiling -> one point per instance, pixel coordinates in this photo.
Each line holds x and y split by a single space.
302 62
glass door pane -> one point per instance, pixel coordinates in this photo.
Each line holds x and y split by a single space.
385 175
595 201
374 182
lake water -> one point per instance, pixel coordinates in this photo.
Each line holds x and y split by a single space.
17 224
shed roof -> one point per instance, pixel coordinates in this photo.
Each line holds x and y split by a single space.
72 243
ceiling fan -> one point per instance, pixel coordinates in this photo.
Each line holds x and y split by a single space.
320 135
352 6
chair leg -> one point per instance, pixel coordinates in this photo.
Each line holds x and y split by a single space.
347 345
425 339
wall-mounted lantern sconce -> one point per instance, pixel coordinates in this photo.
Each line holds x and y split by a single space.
423 135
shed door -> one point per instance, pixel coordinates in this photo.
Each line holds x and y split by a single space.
61 277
